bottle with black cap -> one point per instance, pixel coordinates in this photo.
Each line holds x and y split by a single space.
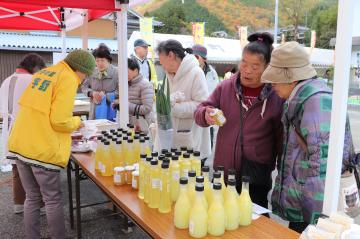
245 203
196 163
182 206
137 148
142 165
164 151
221 169
191 185
131 130
207 187
154 154
147 180
231 174
155 185
173 150
183 149
107 164
130 153
200 182
99 155
198 218
231 206
185 165
165 200
142 146
168 155
161 158
216 220
118 156
174 179
217 179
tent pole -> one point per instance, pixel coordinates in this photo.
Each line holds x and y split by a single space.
85 30
63 39
339 105
121 22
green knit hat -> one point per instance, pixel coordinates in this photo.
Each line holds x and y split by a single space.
82 61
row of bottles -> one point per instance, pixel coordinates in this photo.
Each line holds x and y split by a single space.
215 213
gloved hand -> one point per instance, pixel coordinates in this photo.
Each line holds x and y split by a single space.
177 97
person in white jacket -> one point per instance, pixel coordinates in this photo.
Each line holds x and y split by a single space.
188 89
10 92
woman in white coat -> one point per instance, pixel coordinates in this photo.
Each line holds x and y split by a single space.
188 88
10 92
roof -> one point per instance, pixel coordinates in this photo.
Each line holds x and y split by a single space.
220 50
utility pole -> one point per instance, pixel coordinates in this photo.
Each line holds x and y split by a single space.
276 21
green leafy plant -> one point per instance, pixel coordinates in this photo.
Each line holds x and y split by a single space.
163 105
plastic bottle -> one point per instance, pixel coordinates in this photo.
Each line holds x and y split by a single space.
137 148
165 200
245 203
142 146
185 165
135 180
154 154
130 157
232 174
199 181
173 150
231 206
218 116
174 179
119 176
142 165
198 218
147 179
160 158
131 130
217 179
216 221
107 164
99 152
125 149
207 186
155 185
196 163
182 206
117 156
221 169
164 151
148 145
191 186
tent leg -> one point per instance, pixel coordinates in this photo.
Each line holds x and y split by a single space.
339 105
63 39
121 22
85 31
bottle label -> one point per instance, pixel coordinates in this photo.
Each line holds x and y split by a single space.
134 184
176 175
117 178
161 185
191 227
155 183
103 168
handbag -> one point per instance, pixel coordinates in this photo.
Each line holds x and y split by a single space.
139 121
349 195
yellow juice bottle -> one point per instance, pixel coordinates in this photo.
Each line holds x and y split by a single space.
207 186
232 174
191 186
154 194
160 158
165 200
200 182
196 163
142 164
182 206
99 152
142 146
125 150
173 151
130 152
147 178
174 179
185 165
107 164
231 206
198 218
245 203
216 220
148 145
118 160
217 179
137 148
112 148
221 169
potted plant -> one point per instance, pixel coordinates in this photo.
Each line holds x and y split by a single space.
163 106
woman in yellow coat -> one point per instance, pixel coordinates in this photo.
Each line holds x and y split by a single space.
40 139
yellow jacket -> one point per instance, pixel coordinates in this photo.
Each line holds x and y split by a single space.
42 128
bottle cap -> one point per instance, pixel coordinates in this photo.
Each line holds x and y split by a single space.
142 140
142 134
196 153
231 171
183 180
205 169
118 141
164 165
130 126
220 168
107 143
143 156
99 137
231 182
174 157
178 153
130 141
164 151
245 179
168 154
173 150
217 174
217 186
199 179
147 138
112 130
154 162
103 132
190 151
192 173
119 130
154 154
129 134
161 157
186 155
166 160
125 138
136 137
183 148
199 188
148 159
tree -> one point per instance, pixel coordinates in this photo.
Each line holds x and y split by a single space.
173 18
296 11
325 24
